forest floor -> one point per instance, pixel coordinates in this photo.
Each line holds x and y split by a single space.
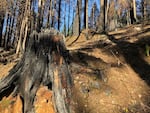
111 74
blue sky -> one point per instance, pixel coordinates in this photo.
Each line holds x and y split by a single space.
90 4
63 11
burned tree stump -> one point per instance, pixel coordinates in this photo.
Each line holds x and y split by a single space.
45 61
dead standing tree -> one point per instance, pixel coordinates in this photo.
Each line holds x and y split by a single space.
44 62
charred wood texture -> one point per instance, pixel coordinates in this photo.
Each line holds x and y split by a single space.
44 62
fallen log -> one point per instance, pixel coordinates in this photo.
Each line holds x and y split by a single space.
44 62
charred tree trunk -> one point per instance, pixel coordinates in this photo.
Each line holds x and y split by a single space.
69 19
44 62
6 32
1 27
59 14
39 18
48 18
53 13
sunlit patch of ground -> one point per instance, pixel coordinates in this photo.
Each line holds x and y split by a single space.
4 69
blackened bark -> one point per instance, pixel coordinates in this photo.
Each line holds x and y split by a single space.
48 17
69 19
132 16
1 27
44 62
59 15
39 21
53 14
6 32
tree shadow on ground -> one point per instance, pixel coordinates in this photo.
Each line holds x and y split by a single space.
132 55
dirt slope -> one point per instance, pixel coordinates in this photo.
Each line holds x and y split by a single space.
111 74
121 84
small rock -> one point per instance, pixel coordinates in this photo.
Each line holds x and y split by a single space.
140 95
101 101
75 81
85 89
95 85
80 82
77 78
108 92
85 105
85 96
133 101
113 102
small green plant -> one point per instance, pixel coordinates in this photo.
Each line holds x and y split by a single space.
147 49
4 104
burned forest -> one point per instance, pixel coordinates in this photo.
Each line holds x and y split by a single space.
74 56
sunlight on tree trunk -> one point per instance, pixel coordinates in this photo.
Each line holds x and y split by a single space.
134 9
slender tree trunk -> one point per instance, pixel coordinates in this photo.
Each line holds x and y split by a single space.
23 25
39 25
9 33
144 9
86 18
133 12
80 14
3 4
12 24
48 18
42 13
103 14
33 20
53 14
69 18
11 30
65 32
28 21
25 37
106 12
59 15
77 20
14 27
6 32
86 14
128 18
50 12
20 37
93 18
30 18
113 15
72 32
19 22
1 27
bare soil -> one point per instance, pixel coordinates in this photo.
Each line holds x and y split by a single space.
111 74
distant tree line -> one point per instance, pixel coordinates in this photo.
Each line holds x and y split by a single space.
18 18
